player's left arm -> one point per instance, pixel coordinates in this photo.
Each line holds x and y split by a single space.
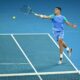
69 24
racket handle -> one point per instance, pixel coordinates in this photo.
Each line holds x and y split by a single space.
39 15
36 14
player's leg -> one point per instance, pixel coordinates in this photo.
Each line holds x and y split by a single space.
61 46
69 50
64 45
60 42
59 37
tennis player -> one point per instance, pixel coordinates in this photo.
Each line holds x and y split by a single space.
58 21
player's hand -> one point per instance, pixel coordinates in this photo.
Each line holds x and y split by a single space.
42 16
39 15
74 26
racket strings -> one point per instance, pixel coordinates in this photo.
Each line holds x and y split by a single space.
26 9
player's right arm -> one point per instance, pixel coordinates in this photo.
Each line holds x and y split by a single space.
43 16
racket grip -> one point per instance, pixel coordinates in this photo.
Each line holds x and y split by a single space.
39 15
35 14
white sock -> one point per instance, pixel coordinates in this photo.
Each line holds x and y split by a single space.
67 48
61 55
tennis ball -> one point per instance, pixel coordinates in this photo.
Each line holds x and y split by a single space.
13 17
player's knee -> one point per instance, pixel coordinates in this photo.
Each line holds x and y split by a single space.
60 40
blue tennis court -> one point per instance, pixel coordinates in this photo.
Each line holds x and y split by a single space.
33 56
28 50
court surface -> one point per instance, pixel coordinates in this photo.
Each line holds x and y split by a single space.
33 56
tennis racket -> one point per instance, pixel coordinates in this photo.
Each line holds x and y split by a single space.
27 10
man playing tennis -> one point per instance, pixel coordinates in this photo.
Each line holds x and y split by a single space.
58 21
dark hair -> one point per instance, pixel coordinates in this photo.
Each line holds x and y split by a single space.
59 8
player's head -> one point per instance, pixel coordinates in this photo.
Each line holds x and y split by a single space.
57 10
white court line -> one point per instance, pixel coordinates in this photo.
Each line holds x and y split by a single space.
6 34
40 73
14 63
64 54
25 56
79 72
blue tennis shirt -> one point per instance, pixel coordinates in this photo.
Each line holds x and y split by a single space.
58 22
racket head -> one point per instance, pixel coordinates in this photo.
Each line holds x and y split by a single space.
26 9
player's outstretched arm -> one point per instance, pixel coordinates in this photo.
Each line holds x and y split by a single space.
70 24
42 16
